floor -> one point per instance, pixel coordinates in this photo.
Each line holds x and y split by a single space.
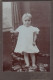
18 64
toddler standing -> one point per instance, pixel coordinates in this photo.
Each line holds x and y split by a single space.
26 42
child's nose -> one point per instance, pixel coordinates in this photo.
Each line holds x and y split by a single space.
26 21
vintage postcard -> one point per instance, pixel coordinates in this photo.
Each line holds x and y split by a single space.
26 38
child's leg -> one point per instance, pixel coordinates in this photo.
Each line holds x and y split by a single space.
33 59
26 58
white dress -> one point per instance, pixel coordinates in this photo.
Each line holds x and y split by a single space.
25 39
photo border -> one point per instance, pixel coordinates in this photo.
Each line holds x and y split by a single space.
26 75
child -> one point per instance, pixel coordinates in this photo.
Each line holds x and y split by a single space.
26 39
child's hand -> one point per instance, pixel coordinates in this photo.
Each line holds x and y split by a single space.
12 31
33 43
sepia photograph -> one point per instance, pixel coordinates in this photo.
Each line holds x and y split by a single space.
26 36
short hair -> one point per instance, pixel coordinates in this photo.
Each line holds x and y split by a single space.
26 15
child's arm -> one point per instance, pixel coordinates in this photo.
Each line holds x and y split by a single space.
34 37
17 30
35 33
13 31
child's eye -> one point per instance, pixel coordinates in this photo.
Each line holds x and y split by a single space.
27 20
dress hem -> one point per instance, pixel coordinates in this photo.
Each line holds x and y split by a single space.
27 52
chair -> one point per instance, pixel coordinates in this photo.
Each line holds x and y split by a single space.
17 59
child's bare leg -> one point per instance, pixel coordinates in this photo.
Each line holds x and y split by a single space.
33 59
26 58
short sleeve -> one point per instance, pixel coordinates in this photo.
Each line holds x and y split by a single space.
18 29
35 29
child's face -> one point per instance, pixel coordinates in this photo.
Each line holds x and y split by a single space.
27 21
